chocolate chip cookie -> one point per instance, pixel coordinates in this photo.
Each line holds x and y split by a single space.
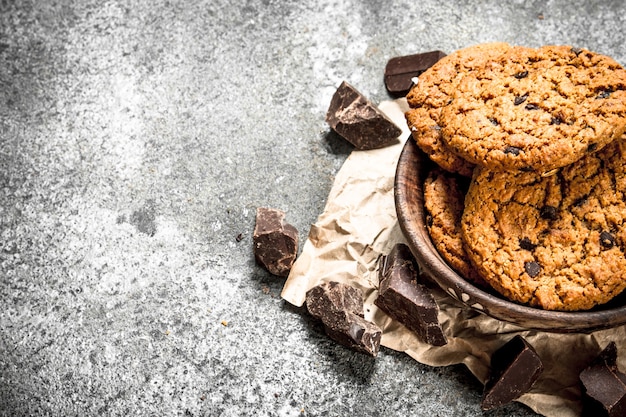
434 89
444 195
555 242
536 108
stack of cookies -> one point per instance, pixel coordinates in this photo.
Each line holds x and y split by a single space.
528 193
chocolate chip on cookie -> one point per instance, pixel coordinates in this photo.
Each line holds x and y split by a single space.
532 268
525 243
607 240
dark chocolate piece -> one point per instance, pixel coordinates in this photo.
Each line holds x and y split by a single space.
526 244
331 297
359 121
406 300
521 74
514 369
548 213
607 240
520 99
576 51
580 201
275 241
356 333
604 386
556 120
512 150
532 268
400 71
340 308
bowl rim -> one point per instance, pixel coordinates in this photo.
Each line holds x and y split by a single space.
411 171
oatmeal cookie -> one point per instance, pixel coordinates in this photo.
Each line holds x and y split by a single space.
556 242
536 108
434 89
444 195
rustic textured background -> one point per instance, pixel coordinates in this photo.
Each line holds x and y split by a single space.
136 141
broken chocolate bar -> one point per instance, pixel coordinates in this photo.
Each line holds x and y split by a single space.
604 386
514 369
406 300
355 333
331 297
275 241
401 71
359 121
340 308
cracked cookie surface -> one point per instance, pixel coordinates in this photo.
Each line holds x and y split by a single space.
536 108
556 242
434 89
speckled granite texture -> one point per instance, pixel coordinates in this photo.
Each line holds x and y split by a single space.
136 141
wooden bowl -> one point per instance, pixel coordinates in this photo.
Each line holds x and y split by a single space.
412 169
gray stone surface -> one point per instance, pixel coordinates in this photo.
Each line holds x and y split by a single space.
136 141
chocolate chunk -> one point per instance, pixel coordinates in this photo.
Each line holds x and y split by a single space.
493 121
531 106
548 213
607 240
275 241
521 74
556 120
359 121
532 268
404 299
355 333
401 71
526 244
580 201
604 385
603 94
340 308
331 297
520 99
514 369
576 51
512 150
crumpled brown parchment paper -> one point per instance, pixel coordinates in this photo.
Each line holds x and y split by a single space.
359 224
